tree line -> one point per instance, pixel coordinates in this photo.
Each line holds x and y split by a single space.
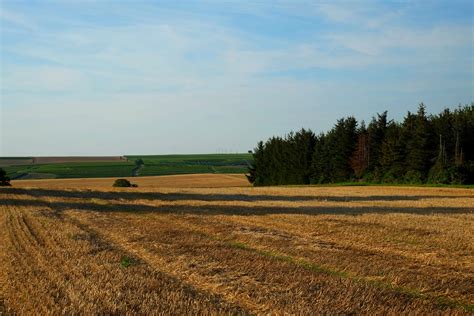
421 149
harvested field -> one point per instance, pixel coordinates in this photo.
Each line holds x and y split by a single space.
175 181
67 247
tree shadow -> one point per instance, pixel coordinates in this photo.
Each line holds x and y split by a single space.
230 209
130 195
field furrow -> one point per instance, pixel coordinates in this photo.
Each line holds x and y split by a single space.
73 269
237 251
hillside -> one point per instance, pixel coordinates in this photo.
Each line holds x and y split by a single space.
22 168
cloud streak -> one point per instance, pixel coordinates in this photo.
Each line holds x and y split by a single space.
247 71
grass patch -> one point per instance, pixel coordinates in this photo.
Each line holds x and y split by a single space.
126 262
281 257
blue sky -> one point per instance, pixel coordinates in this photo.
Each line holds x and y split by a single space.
151 77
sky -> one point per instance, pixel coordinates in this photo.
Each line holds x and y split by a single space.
162 77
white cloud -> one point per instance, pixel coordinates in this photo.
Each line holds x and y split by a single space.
386 40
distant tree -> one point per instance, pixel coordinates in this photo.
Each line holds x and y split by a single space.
4 180
304 143
418 153
360 157
343 145
139 162
392 158
320 166
257 167
376 135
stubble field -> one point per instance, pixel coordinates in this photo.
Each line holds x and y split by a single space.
209 244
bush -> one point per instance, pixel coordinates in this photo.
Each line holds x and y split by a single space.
123 183
413 177
439 175
4 180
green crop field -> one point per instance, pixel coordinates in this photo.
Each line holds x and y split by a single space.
153 165
185 164
195 159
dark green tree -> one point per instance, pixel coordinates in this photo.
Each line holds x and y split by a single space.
304 142
435 148
376 135
343 143
360 156
4 180
392 160
418 157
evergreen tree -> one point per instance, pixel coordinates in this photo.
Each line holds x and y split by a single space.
438 149
418 154
304 143
392 160
342 146
320 169
360 157
257 168
376 134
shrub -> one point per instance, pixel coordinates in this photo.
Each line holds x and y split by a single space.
4 180
413 177
439 175
123 183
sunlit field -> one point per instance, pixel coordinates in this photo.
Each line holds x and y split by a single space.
206 244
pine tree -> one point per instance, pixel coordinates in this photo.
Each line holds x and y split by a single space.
418 154
376 134
322 166
304 143
257 167
392 159
360 157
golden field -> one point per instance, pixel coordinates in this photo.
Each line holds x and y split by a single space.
211 244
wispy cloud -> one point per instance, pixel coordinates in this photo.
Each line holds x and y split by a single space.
192 69
18 20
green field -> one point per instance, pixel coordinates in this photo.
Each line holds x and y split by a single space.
153 165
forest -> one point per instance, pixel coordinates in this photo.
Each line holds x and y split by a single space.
423 148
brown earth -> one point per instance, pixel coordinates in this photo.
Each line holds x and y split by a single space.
15 162
234 250
48 160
